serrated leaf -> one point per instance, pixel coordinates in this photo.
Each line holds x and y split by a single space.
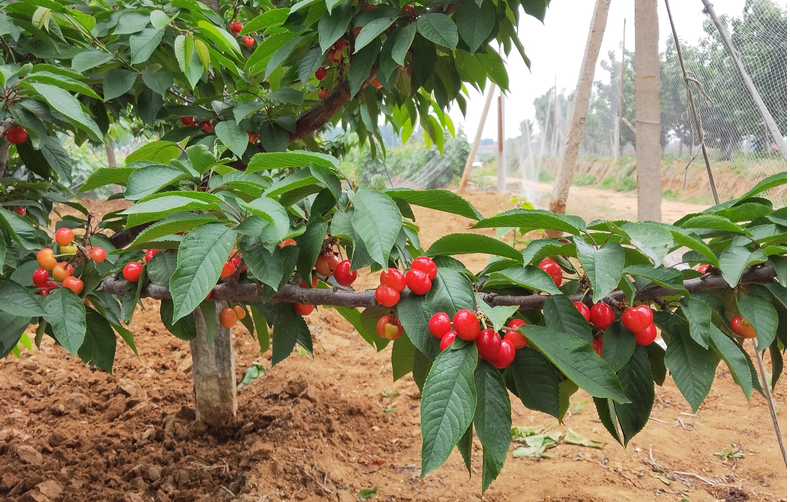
497 315
603 266
734 260
762 316
638 386
475 21
651 238
698 314
528 277
332 26
98 348
669 278
537 382
159 205
222 38
279 160
143 44
90 59
492 420
310 244
544 248
377 221
440 200
361 66
373 30
271 211
563 317
65 312
618 345
171 224
402 357
288 328
456 244
534 219
233 136
735 359
150 179
66 104
692 367
17 300
438 28
403 39
156 151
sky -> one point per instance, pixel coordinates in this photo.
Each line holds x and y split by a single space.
556 49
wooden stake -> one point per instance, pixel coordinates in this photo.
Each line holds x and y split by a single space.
501 168
476 142
770 399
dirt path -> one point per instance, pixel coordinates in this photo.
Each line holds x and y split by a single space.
327 427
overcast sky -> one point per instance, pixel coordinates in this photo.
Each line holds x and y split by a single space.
556 49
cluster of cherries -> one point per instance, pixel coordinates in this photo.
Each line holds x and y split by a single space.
418 279
204 125
335 55
62 272
235 28
327 265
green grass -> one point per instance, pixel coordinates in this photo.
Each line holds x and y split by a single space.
625 185
608 182
670 195
583 179
545 177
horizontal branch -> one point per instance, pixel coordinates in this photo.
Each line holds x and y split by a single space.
290 293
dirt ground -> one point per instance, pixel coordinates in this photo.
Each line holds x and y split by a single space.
326 427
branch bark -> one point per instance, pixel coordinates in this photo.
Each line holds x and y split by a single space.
292 293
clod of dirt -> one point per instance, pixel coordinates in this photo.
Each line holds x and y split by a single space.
29 455
186 413
735 495
50 489
154 473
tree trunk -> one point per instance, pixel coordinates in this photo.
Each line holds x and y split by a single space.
213 372
648 113
581 103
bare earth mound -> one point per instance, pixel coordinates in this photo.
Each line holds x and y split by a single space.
324 429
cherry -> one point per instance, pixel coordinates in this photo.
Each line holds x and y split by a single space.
72 249
227 317
40 278
287 242
646 336
61 271
550 267
241 313
601 315
320 73
327 264
518 340
447 340
150 254
340 44
597 345
507 352
357 30
438 325
235 27
393 278
742 327
98 255
389 327
409 9
335 56
303 310
206 126
343 274
583 310
418 282
248 41
703 269
376 83
227 270
425 264
21 211
132 271
73 284
46 259
466 325
323 93
488 344
252 136
64 236
387 296
637 318
187 121
314 281
16 135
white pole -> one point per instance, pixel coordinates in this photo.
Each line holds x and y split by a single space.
476 142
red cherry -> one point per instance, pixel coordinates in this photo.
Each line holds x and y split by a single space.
583 310
40 278
150 254
320 73
550 267
132 271
488 344
323 93
206 126
21 211
597 344
340 44
376 83
227 317
389 327
742 327
16 135
646 336
447 340
703 269
343 274
315 283
98 255
409 9
438 325
235 28
248 41
637 318
187 121
387 296
425 264
393 278
466 325
287 242
227 270
507 352
326 264
418 282
64 236
518 340
303 309
252 136
601 316
73 284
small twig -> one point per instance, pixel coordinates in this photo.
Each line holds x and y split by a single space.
326 490
691 474
228 491
770 399
658 420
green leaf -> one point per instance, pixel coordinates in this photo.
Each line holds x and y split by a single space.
563 317
495 68
734 358
669 278
65 312
150 179
271 211
691 366
157 206
465 449
780 266
201 256
577 360
637 383
90 59
377 221
734 260
279 160
310 62
698 314
159 19
448 404
332 26
66 104
618 345
98 349
438 28
17 300
361 66
20 230
528 277
270 18
492 420
692 241
158 81
271 268
537 382
289 327
266 49
13 328
475 21
173 223
651 238
403 39
62 81
657 367
544 248
765 184
373 30
455 244
222 38
497 315
707 223
261 329
762 316
233 136
281 55
107 176
156 151
440 200
534 219
402 357
160 269
143 44
605 409
603 266
310 244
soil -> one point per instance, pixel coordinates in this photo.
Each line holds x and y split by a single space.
326 427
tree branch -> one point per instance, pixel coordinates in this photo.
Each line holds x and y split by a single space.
319 115
291 293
